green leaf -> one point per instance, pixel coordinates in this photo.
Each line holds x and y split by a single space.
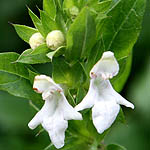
80 37
115 147
120 30
125 67
60 22
99 7
94 56
37 22
50 7
67 4
56 53
32 75
121 117
48 23
80 94
35 56
24 32
71 75
14 78
59 3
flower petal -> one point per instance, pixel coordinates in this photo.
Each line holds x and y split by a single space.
69 112
44 83
56 127
104 113
35 121
106 67
88 100
122 101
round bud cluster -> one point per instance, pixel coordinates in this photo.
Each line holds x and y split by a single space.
74 11
55 39
36 40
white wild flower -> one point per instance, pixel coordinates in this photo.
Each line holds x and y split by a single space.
103 99
56 111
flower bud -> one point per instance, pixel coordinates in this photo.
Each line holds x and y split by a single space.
74 11
36 40
55 39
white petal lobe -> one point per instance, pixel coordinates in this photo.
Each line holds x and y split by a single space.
123 101
106 67
69 112
104 113
88 100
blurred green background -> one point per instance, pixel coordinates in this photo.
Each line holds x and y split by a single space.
15 113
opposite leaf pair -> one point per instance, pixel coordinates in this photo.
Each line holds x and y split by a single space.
101 96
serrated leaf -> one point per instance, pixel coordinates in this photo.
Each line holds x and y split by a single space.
115 147
14 78
35 56
24 32
37 22
121 29
99 7
80 37
71 75
50 7
48 23
118 33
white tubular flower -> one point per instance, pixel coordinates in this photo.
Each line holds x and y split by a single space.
36 40
56 111
103 99
55 39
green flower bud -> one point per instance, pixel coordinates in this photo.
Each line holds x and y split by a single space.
74 11
55 39
36 40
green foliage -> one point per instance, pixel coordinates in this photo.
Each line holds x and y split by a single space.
71 75
24 32
115 147
50 7
15 78
35 56
90 28
37 22
80 37
56 53
48 23
120 79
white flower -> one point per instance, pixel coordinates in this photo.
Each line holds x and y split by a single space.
56 111
103 99
55 39
36 40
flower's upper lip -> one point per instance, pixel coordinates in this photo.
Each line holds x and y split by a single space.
93 75
35 89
